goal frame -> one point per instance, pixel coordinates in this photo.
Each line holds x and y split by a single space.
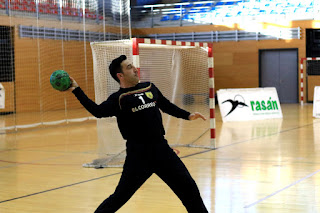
136 63
302 67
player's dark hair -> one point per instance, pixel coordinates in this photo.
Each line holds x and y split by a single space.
115 67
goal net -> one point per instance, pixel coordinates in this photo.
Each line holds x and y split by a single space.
39 37
181 74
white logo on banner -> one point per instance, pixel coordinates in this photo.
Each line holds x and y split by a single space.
249 104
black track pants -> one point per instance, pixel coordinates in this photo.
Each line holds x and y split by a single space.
141 162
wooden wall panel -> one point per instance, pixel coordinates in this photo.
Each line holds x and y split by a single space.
223 59
9 97
312 82
26 75
33 90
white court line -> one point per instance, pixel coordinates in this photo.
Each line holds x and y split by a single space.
280 190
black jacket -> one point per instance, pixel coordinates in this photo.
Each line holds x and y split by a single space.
136 109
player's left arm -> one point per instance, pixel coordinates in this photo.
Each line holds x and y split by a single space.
166 106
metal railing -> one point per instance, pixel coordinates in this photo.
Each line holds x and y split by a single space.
65 34
235 35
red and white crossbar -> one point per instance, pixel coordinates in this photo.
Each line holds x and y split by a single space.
301 74
136 63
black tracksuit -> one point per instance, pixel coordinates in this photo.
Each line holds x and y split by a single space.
140 123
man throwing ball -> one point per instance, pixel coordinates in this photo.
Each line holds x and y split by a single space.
137 108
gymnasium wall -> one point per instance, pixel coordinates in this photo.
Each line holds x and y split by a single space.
36 59
237 63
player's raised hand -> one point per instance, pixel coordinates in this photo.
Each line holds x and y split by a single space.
74 84
196 115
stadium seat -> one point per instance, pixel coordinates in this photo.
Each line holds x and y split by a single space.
53 11
74 12
91 15
208 4
175 18
198 5
239 14
262 12
187 17
29 8
229 3
204 10
219 3
14 7
165 18
273 12
193 10
228 14
184 6
309 10
32 3
53 6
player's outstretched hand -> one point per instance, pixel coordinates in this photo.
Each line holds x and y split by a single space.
196 115
74 84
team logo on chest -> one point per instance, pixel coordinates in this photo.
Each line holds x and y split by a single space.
149 95
144 104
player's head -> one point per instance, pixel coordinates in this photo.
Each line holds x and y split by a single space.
115 67
123 71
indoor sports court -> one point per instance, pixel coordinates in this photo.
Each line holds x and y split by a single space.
251 67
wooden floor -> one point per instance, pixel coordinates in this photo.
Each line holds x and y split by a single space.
270 166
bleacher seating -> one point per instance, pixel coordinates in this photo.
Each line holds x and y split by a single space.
47 8
240 8
185 10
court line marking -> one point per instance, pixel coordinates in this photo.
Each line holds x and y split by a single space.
251 139
61 187
40 164
180 157
280 190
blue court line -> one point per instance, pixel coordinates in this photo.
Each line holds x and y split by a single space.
280 190
61 187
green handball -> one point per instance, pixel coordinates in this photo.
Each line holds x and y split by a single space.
60 80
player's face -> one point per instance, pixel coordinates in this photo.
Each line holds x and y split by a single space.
129 73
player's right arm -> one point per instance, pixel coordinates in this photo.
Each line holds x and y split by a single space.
107 108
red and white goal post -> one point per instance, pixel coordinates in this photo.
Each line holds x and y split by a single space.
184 73
211 90
303 69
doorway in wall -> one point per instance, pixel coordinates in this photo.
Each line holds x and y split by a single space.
279 68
